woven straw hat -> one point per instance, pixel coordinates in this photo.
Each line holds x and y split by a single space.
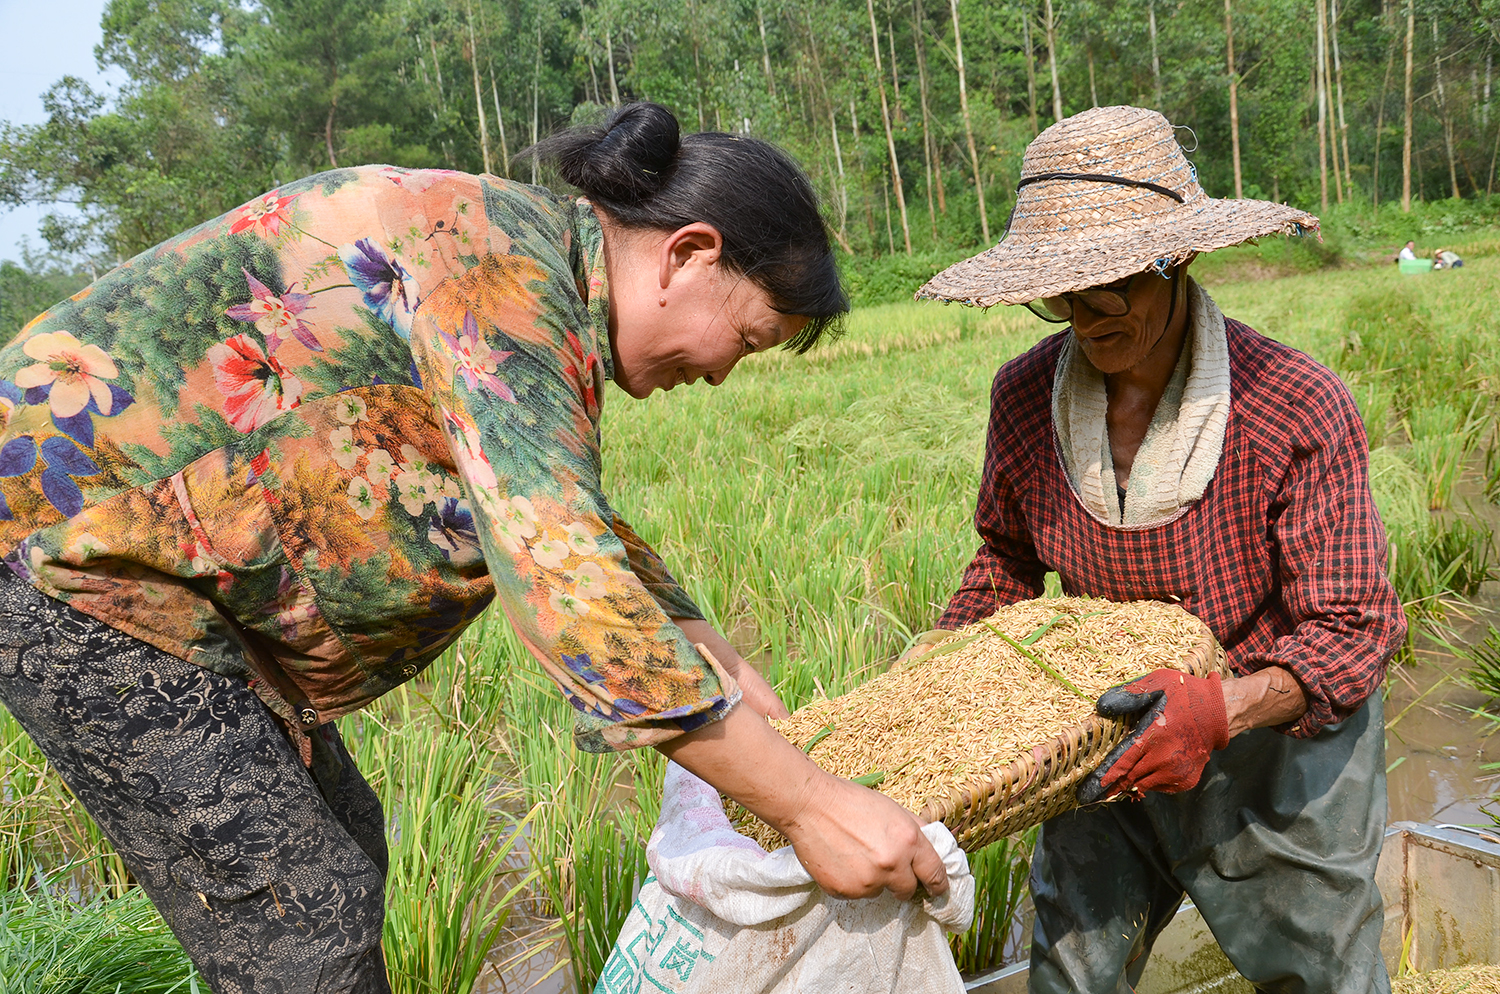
1105 194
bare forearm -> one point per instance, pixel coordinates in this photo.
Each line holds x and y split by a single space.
747 759
1271 696
758 693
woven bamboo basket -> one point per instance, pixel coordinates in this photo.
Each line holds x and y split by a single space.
1483 979
992 731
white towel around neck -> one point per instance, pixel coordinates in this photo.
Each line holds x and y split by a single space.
1183 443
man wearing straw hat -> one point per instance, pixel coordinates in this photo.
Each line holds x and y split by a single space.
1155 449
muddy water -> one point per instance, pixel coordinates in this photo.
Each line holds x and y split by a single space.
1436 748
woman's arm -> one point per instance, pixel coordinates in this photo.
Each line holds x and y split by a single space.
758 694
854 842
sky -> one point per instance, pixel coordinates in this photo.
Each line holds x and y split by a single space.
45 40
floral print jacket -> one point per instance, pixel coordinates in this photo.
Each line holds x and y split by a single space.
308 442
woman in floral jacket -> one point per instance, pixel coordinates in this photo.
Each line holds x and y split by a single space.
265 472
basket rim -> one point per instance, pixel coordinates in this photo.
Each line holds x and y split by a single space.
1032 772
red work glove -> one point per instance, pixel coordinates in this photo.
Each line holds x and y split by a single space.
1183 720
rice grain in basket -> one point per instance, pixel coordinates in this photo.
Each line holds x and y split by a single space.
991 732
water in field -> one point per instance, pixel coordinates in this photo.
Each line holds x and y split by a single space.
1437 749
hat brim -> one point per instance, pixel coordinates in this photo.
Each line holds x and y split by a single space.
1020 270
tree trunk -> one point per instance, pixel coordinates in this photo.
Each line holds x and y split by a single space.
1385 86
1338 82
899 113
1333 134
1320 85
1234 106
1411 28
885 117
1057 105
927 143
500 124
697 62
1093 90
1030 63
1155 58
609 53
931 137
765 52
838 155
328 132
484 130
536 100
890 236
1437 70
963 103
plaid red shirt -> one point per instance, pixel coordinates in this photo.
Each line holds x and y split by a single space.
1283 557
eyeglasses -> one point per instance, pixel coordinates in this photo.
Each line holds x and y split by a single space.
1112 300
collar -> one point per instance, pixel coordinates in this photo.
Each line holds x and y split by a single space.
593 280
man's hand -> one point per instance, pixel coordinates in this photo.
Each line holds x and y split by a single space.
1182 720
758 695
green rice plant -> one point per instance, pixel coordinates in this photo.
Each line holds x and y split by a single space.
23 777
1000 871
1443 442
591 813
1484 664
49 945
1374 398
454 851
42 825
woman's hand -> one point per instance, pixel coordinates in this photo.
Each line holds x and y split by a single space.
758 693
854 842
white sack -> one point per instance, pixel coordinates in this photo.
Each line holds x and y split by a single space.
721 914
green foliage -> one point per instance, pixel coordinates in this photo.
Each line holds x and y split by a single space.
1484 664
456 872
224 100
26 292
49 945
1000 871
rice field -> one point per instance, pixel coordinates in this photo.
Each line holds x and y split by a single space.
818 509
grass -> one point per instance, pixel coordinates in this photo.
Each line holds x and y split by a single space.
819 510
49 945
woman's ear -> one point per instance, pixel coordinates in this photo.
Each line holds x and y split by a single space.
696 244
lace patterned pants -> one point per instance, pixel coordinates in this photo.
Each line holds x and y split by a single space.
273 881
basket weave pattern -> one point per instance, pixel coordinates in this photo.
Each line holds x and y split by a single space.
1066 234
1035 788
992 731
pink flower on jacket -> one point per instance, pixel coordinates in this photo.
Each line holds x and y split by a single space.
266 214
475 361
274 314
75 370
256 386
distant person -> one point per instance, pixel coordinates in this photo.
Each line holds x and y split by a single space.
1408 252
1446 259
273 467
1157 449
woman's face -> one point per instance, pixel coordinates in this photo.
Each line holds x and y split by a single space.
677 315
1116 344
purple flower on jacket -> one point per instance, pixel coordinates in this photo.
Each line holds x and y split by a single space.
390 291
583 667
274 314
452 530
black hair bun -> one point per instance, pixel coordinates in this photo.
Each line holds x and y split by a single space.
623 161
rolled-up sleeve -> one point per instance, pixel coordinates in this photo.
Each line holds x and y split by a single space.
514 374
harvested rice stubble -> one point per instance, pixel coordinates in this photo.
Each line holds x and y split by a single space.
966 710
1481 979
